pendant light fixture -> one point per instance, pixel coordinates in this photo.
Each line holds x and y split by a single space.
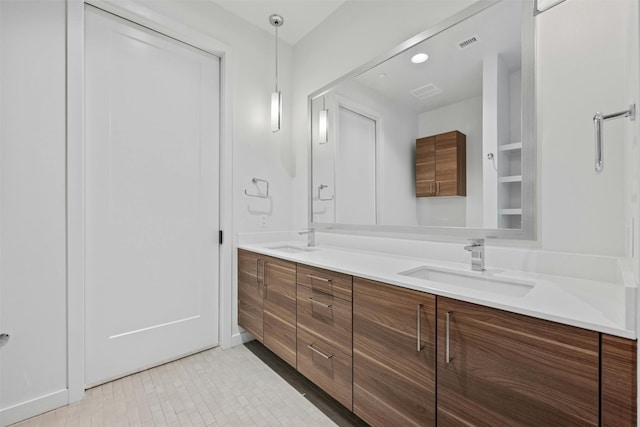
276 97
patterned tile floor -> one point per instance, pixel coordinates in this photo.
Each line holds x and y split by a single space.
212 388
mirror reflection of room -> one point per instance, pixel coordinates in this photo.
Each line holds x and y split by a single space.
430 137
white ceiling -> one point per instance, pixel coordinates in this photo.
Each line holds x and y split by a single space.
300 16
457 73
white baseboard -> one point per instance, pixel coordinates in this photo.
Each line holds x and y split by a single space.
31 408
241 338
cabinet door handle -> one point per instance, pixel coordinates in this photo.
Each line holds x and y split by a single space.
320 303
419 328
437 188
447 345
326 356
322 279
264 277
259 268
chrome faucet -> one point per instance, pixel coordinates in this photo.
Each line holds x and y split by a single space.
477 254
311 236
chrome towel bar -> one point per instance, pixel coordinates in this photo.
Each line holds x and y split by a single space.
598 119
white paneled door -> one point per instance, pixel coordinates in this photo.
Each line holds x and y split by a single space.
355 168
151 198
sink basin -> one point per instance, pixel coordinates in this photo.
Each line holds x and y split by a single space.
292 249
478 281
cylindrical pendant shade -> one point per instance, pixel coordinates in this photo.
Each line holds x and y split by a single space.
276 109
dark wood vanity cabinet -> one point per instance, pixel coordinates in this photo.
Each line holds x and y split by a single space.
325 330
618 385
441 165
394 355
267 302
372 346
250 294
500 368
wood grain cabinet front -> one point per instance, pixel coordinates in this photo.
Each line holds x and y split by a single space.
324 330
441 165
250 293
326 316
618 381
394 355
325 282
267 302
326 366
500 368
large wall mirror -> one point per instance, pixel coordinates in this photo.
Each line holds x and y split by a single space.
437 137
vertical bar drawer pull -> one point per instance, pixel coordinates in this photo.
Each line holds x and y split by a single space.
320 303
447 346
315 350
261 267
259 278
419 328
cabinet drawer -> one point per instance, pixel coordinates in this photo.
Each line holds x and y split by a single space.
325 281
326 366
325 316
280 337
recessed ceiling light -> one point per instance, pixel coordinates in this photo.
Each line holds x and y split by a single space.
419 58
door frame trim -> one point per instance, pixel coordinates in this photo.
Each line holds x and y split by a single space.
75 173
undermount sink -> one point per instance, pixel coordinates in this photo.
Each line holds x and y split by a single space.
480 281
292 249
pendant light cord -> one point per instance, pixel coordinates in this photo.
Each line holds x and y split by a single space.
277 21
276 58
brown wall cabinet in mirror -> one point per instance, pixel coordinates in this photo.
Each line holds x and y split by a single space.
441 165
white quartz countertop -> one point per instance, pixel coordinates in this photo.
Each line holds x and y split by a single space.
589 304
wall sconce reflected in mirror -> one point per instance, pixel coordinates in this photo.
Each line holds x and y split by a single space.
276 97
323 124
323 136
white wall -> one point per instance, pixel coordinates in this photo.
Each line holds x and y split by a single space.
32 204
466 117
494 132
581 69
632 130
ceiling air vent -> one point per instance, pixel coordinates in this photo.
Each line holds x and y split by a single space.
424 92
468 42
